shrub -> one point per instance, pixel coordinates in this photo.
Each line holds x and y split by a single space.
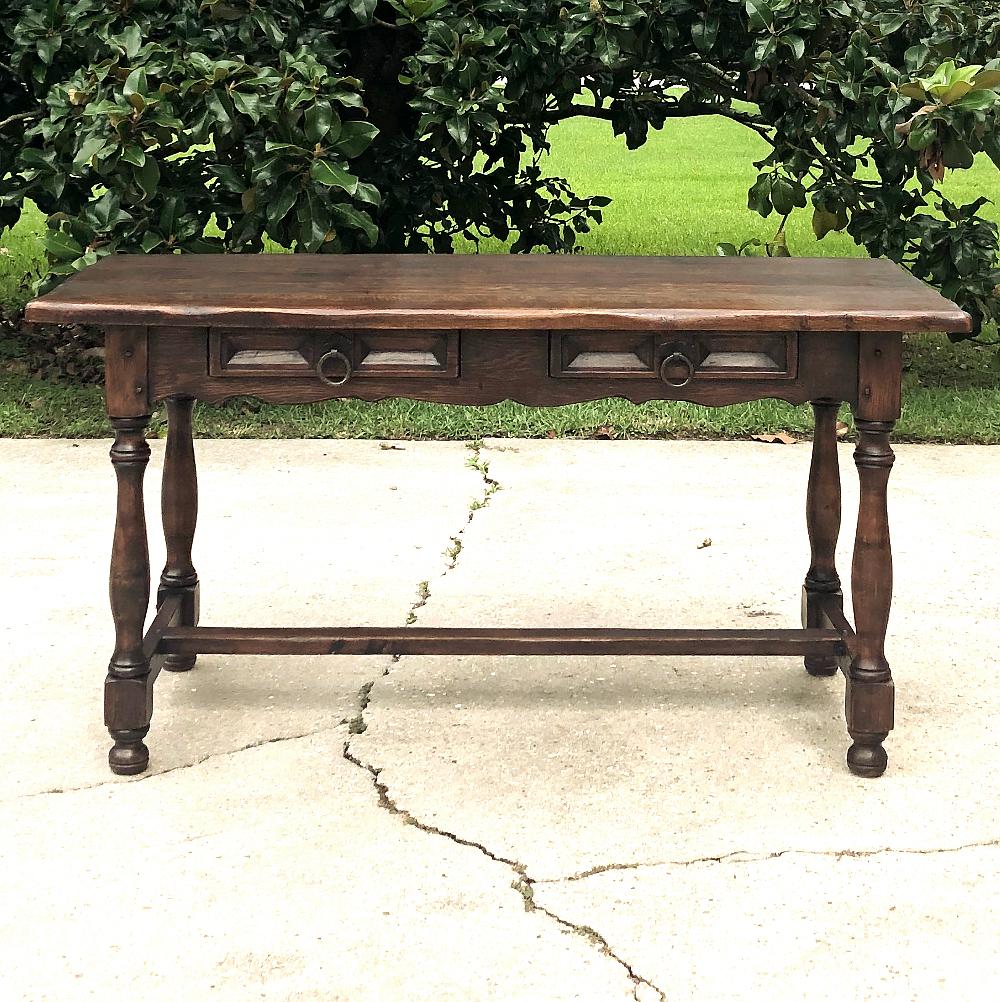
401 125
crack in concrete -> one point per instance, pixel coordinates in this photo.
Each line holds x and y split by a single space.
355 724
522 883
596 939
145 776
743 856
490 487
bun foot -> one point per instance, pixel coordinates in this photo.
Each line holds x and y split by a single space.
129 756
820 666
179 662
866 757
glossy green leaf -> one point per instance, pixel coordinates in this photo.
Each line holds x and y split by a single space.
281 203
148 177
705 33
760 14
977 100
134 154
132 40
62 246
47 47
333 176
355 138
319 118
92 146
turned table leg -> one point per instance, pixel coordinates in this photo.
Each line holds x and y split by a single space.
128 702
869 684
823 524
179 501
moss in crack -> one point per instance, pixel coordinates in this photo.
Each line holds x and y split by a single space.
477 462
524 886
356 724
423 594
453 550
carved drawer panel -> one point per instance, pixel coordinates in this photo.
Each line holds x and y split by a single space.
676 358
250 353
406 353
332 356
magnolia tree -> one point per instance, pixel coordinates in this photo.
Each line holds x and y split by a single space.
401 125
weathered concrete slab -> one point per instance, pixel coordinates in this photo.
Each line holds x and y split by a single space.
892 926
290 533
567 764
598 789
268 874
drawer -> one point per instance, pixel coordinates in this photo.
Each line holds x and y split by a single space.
332 356
675 358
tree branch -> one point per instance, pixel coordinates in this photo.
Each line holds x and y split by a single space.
576 111
755 124
672 109
810 99
716 72
720 75
24 116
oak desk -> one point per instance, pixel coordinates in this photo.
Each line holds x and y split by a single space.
477 330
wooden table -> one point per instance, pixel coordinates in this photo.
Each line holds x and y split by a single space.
477 330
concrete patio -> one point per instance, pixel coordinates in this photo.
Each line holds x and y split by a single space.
499 828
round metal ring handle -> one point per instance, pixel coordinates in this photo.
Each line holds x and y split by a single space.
670 360
340 357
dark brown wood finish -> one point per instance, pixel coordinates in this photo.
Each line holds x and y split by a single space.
834 618
179 502
170 613
823 525
129 700
129 592
505 365
501 292
126 355
870 696
519 641
479 330
880 360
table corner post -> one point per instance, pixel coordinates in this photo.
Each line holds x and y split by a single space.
128 687
870 693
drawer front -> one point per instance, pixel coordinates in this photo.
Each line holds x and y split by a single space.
674 358
332 356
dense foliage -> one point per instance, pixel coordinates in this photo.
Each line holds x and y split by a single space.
350 125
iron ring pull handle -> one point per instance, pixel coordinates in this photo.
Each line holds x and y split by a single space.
669 361
340 357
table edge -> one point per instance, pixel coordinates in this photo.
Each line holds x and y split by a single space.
514 319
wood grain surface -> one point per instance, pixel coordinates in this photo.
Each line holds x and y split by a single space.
501 365
523 641
501 292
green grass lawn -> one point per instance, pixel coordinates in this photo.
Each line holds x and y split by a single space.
682 193
685 190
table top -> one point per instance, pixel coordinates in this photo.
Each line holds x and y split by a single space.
505 292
